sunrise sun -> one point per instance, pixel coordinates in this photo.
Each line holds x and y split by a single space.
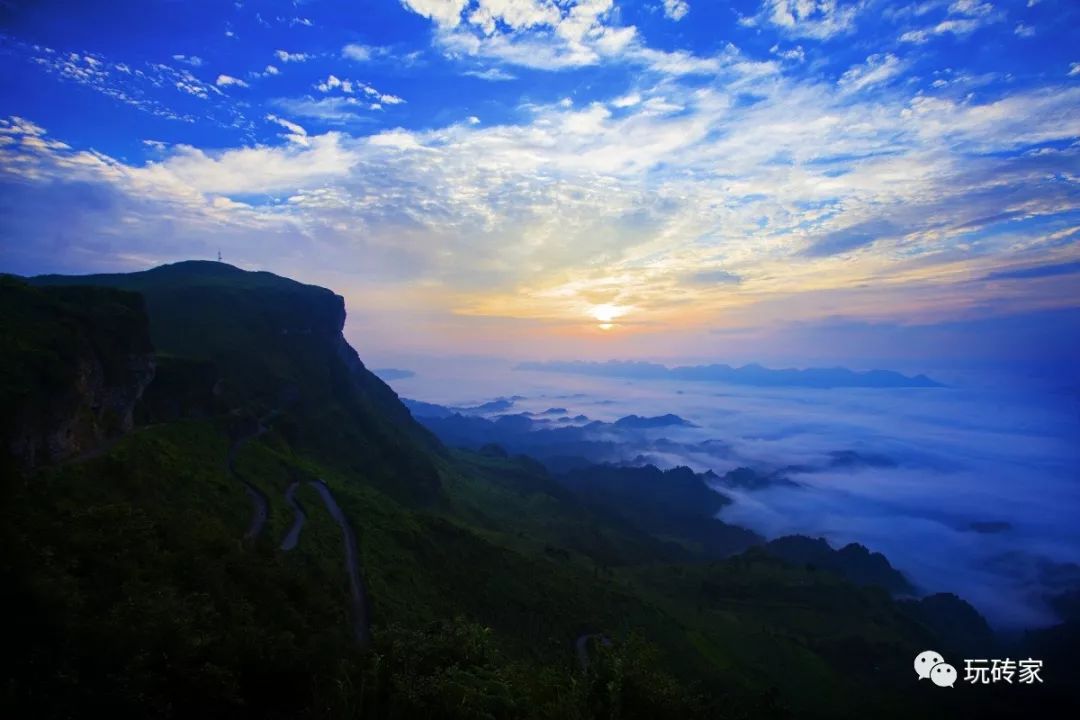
607 313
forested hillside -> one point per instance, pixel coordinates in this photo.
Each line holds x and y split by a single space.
251 524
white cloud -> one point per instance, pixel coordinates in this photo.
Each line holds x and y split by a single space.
362 53
548 35
193 60
287 57
876 70
678 62
795 54
516 14
226 80
962 18
354 87
818 19
136 85
253 170
332 82
973 8
396 139
676 9
269 71
339 110
626 101
473 120
445 13
296 133
1074 69
1024 31
955 27
543 52
492 74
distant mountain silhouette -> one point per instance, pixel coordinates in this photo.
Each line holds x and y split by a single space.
555 442
497 405
753 374
744 478
636 421
852 561
676 504
954 620
419 408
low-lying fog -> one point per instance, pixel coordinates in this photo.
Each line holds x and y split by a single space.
973 490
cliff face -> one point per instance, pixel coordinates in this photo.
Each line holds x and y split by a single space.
95 408
75 362
275 346
379 395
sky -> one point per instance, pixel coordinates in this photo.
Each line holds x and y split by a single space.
787 181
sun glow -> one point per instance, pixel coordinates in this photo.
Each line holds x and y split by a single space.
607 313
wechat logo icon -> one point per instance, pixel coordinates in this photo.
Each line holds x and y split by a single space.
929 664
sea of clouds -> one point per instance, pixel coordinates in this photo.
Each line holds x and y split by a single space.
982 453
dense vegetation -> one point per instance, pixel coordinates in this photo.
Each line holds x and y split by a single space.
495 590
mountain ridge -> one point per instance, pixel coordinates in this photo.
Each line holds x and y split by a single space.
752 374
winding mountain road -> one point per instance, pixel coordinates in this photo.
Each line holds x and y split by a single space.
361 618
293 536
261 511
260 504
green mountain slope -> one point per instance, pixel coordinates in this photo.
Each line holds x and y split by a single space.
143 581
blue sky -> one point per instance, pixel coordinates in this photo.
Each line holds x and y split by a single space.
573 178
